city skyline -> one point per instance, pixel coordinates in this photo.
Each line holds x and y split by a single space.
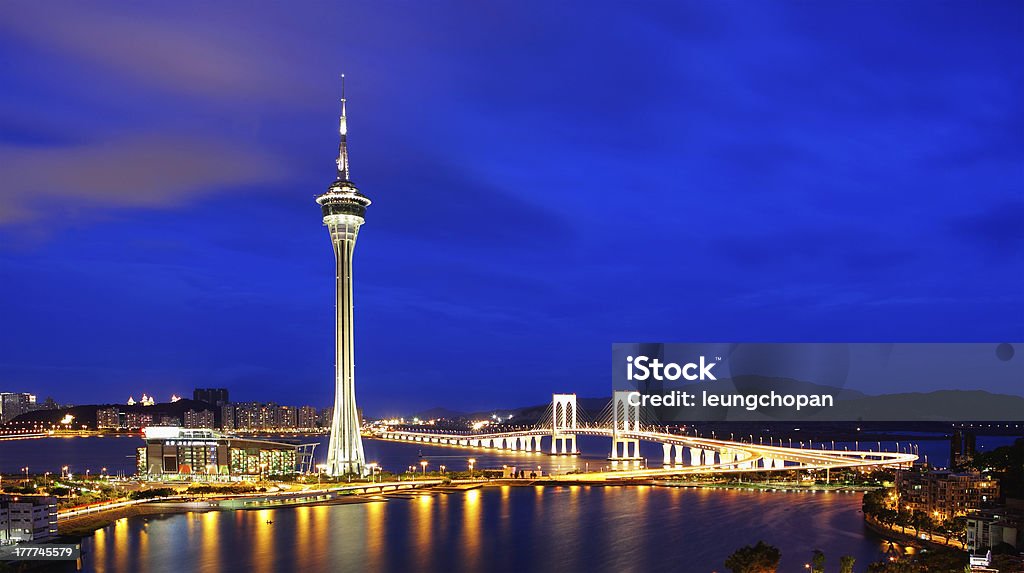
529 211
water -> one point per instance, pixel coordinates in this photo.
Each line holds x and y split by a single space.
117 454
498 529
566 528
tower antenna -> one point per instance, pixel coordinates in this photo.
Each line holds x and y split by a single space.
343 167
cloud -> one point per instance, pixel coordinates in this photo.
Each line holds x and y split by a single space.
137 171
209 57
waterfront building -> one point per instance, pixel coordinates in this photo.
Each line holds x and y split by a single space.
286 418
14 404
108 418
214 396
27 518
343 208
136 420
307 417
180 453
199 419
943 494
963 445
255 416
168 420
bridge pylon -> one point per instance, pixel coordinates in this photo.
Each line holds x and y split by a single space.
625 418
563 426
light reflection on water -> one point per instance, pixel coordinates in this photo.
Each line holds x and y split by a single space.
495 529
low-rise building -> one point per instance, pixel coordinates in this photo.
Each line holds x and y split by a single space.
988 528
180 453
27 518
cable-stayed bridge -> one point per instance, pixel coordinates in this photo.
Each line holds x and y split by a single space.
623 423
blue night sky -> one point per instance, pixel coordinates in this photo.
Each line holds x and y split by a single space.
547 178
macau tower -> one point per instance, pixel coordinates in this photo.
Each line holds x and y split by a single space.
343 209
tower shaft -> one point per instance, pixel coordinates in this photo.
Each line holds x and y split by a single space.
345 451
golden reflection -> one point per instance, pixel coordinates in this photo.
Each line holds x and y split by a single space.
441 515
209 538
376 534
421 515
505 512
642 498
303 533
143 539
264 539
99 545
471 531
122 548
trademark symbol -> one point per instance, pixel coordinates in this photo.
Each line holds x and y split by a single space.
718 358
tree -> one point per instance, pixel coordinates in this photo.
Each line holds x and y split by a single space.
846 564
761 558
818 562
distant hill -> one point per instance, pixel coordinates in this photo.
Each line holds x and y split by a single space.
86 414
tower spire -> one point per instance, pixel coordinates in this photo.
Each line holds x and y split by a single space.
343 171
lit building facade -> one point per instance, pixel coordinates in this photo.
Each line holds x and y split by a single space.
307 417
14 404
179 453
108 418
944 495
27 518
343 208
199 419
227 417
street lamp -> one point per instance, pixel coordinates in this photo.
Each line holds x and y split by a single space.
442 469
373 470
472 461
423 464
321 468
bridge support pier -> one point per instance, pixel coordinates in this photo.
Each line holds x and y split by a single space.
709 457
668 454
567 443
625 442
695 456
679 455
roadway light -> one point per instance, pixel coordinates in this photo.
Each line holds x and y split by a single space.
423 464
472 461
